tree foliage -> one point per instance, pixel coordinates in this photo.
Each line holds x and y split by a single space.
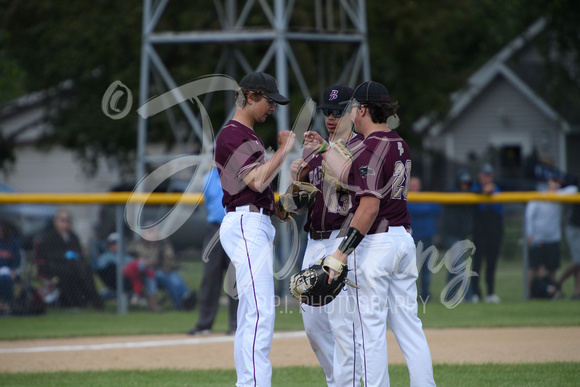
422 50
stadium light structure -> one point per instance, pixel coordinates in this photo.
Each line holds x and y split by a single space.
341 22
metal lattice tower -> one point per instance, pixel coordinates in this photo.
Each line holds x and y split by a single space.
334 22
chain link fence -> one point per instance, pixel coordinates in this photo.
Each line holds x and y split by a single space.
81 270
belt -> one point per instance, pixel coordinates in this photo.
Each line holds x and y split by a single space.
398 230
319 235
251 208
378 231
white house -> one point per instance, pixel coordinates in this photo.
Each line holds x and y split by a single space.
57 170
502 117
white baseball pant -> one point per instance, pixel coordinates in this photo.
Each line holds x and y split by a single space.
329 328
247 238
386 273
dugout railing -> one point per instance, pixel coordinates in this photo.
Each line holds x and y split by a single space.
513 247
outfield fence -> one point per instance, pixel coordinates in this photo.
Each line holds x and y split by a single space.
97 215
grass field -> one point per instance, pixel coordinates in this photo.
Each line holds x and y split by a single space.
513 311
497 375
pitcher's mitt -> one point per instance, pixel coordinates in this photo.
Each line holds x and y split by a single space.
299 196
311 286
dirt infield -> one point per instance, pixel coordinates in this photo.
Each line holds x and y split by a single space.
495 345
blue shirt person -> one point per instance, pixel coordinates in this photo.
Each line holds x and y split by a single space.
456 226
216 261
424 217
487 235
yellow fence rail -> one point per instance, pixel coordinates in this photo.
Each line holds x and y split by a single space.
197 198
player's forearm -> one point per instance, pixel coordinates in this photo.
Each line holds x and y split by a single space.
301 175
362 221
339 165
335 156
258 179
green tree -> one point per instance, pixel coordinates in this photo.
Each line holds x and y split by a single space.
421 50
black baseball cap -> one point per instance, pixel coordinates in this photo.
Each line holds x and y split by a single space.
334 95
487 169
264 83
372 92
464 177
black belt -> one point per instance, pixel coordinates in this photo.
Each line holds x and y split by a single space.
319 235
253 208
378 231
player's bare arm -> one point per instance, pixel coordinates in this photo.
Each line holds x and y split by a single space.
299 170
312 141
338 163
258 179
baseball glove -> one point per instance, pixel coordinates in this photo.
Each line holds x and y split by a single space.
299 196
311 286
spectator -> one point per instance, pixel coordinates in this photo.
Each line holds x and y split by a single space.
424 224
160 256
543 235
106 265
487 236
59 254
216 261
140 273
573 236
135 274
457 225
10 262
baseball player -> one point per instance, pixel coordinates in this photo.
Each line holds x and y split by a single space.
329 324
378 244
246 232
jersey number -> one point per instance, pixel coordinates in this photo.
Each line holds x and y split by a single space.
401 175
339 203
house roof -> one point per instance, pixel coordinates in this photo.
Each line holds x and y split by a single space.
27 129
478 81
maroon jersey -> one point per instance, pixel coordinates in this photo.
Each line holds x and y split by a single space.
239 150
382 169
334 200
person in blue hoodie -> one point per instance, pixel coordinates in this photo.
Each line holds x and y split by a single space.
487 235
424 218
456 226
217 262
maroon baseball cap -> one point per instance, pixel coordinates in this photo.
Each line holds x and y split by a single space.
334 95
372 92
264 83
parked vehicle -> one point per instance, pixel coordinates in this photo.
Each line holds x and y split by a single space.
29 219
189 235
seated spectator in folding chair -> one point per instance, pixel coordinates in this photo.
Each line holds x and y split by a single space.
10 263
159 255
106 267
59 254
135 274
